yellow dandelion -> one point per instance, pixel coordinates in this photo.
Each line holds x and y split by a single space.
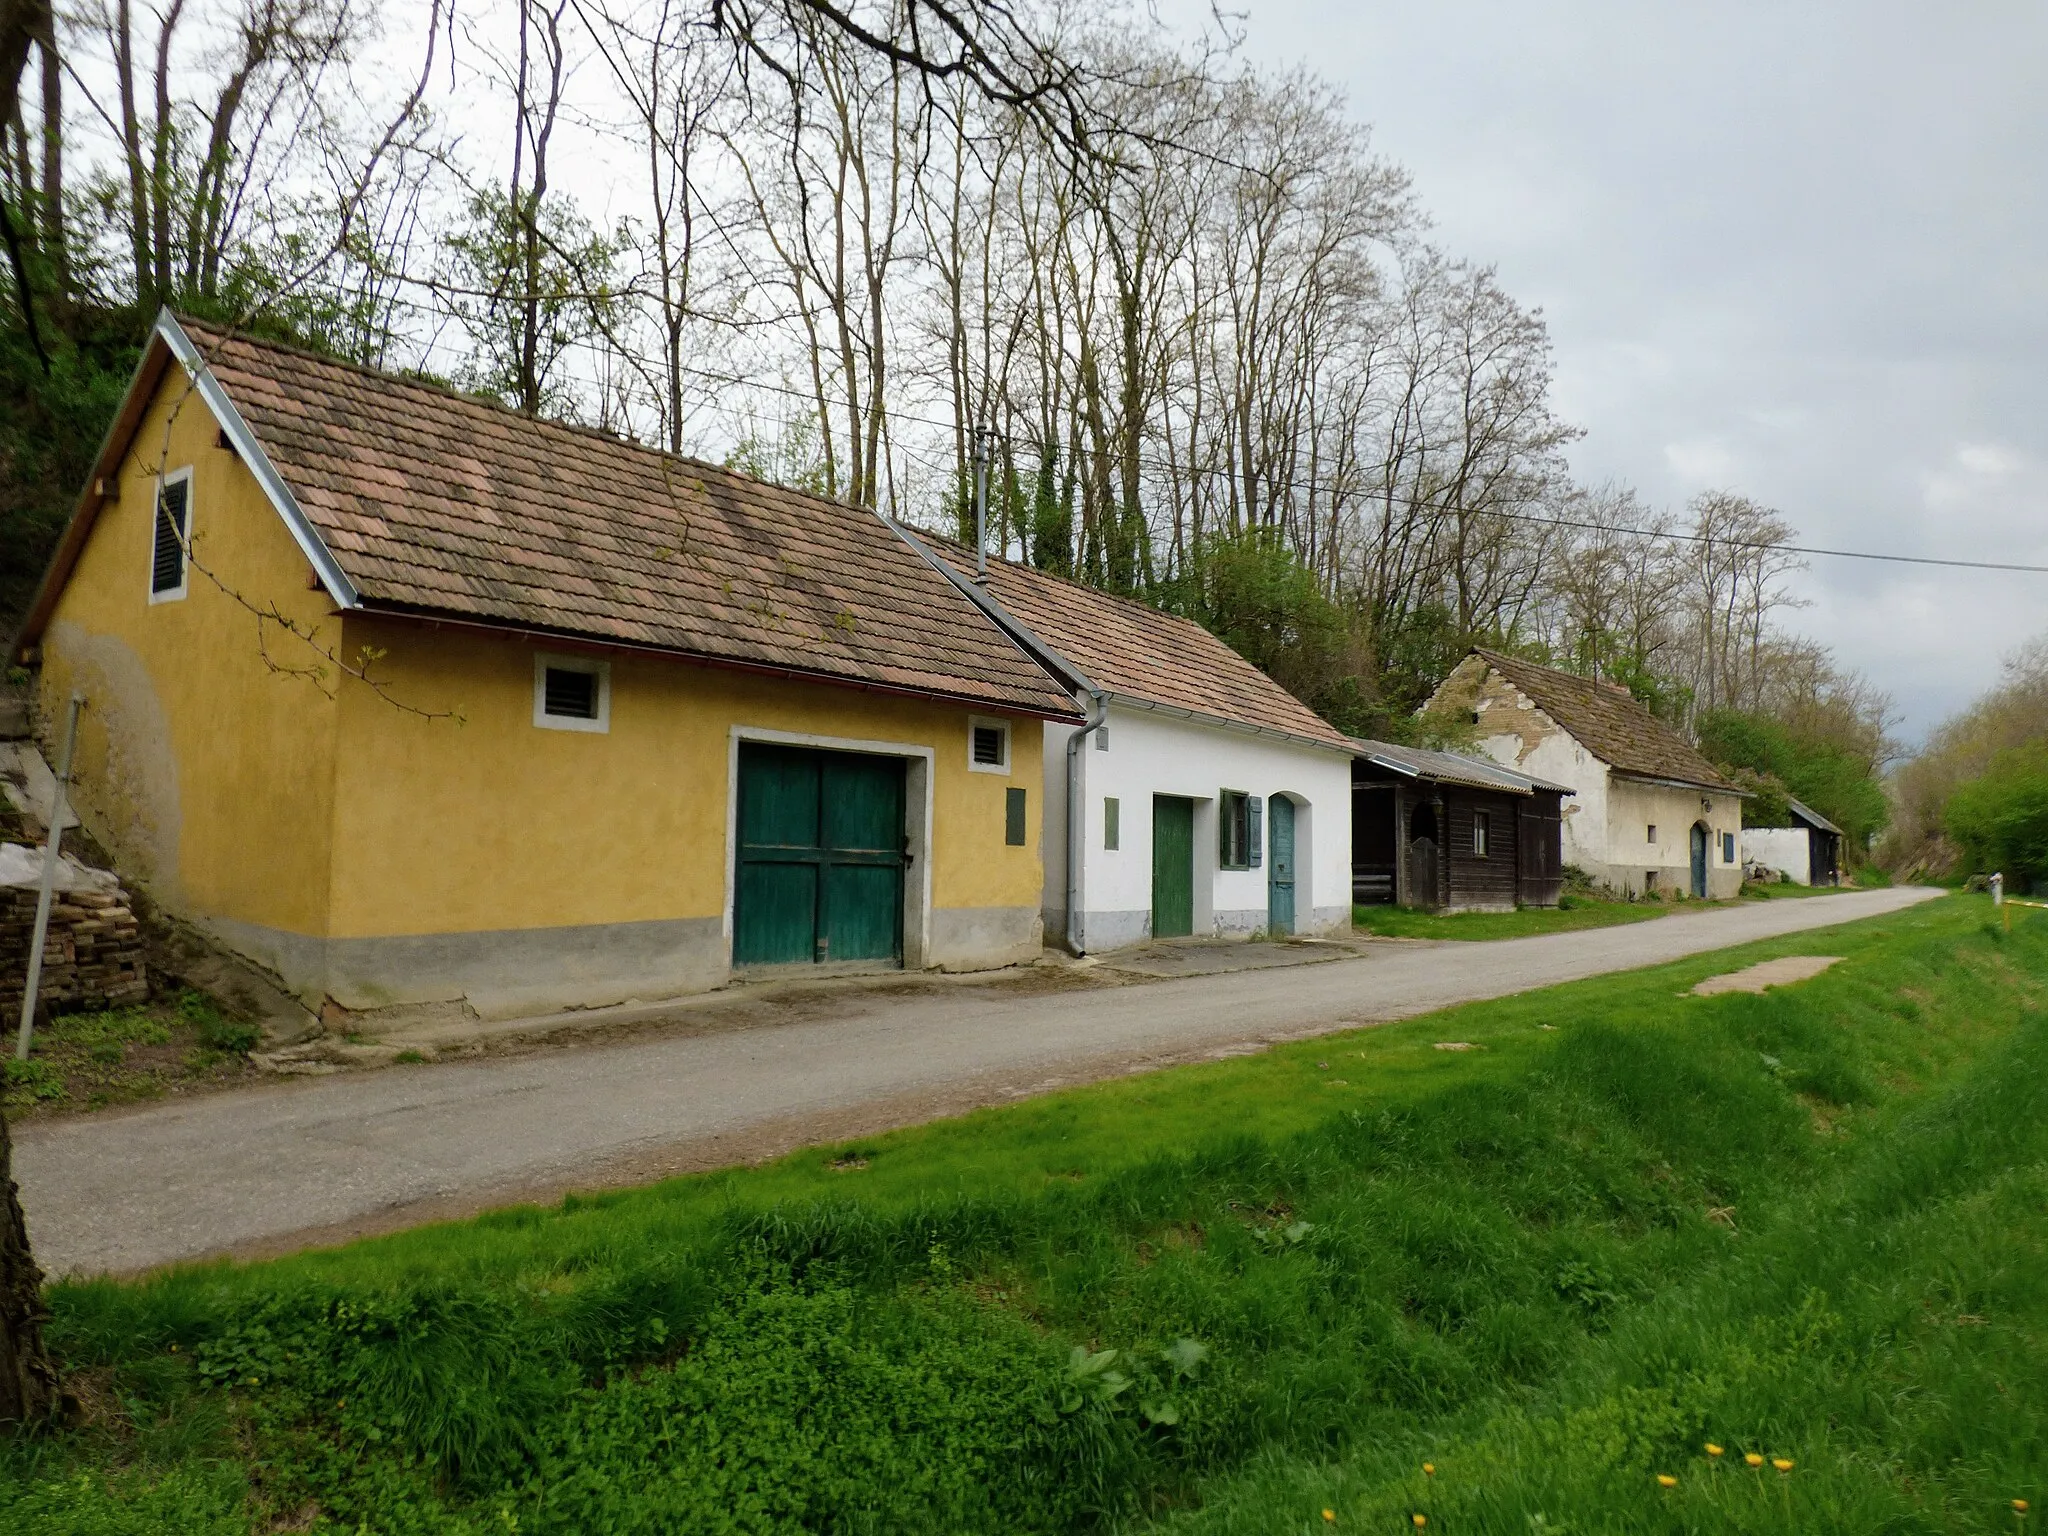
1330 1515
1713 1449
1420 1520
1429 1469
1666 1480
1753 1459
2020 1506
1782 1464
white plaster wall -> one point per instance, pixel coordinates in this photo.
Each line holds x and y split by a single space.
1153 753
1633 808
1558 757
1787 848
1607 819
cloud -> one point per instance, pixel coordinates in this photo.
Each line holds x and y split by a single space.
1794 251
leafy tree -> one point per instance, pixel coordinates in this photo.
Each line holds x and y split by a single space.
1252 591
2000 818
530 281
1775 760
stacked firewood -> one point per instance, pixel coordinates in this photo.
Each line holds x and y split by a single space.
91 959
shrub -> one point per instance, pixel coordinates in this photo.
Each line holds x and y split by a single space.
2001 817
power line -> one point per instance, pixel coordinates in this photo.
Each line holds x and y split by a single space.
809 399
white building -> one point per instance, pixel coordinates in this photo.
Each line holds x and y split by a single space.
1809 852
1648 813
1201 798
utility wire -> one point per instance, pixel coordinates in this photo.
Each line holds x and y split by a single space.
734 380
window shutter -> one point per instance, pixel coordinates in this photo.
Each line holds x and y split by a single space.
570 693
167 556
988 746
1112 824
1254 831
1013 817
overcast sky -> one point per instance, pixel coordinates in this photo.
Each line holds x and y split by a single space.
1797 250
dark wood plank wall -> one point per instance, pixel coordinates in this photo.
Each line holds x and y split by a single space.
1383 809
1539 849
1488 882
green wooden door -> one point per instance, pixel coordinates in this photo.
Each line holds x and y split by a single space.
820 858
1173 867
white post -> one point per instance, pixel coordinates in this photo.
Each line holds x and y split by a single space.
43 901
1998 890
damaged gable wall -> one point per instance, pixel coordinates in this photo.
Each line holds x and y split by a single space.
206 748
1607 821
1509 728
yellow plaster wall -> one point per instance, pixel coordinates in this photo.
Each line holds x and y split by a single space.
494 823
204 768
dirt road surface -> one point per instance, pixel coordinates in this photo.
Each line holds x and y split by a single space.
324 1159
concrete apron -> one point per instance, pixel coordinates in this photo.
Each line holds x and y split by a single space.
427 1032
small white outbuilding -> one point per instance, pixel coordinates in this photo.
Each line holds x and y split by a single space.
1201 798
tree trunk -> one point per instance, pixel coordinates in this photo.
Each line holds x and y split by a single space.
29 1387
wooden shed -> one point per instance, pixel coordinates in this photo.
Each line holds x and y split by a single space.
1452 833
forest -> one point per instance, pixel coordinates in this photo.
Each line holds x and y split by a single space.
1199 326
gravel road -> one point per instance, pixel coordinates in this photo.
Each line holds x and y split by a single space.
323 1159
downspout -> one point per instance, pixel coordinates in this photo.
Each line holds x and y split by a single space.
1098 716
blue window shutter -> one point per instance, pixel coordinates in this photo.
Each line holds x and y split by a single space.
1255 831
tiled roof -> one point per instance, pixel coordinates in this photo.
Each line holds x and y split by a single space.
1452 768
435 502
1811 817
1134 650
1610 724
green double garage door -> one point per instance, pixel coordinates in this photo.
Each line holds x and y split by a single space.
821 857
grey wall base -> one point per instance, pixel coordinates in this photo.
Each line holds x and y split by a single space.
984 938
500 974
1102 932
1724 881
511 973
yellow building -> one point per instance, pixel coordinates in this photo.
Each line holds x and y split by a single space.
412 699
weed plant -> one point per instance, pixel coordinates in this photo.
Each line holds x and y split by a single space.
1626 1223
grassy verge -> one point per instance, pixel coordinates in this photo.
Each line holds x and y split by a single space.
1576 912
1620 1222
115 1056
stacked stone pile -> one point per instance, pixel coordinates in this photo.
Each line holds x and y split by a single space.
93 956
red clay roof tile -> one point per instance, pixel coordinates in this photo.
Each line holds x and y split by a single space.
439 503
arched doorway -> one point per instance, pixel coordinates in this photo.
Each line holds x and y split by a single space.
1422 857
1699 860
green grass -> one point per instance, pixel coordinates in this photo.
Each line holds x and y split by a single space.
1576 912
1224 1298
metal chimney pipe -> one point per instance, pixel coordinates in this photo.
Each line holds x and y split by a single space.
980 507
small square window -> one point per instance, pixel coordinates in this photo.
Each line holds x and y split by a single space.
170 537
1482 833
1013 817
572 693
1112 824
1653 832
988 745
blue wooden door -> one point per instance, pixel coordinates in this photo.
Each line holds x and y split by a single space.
1699 861
1280 864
